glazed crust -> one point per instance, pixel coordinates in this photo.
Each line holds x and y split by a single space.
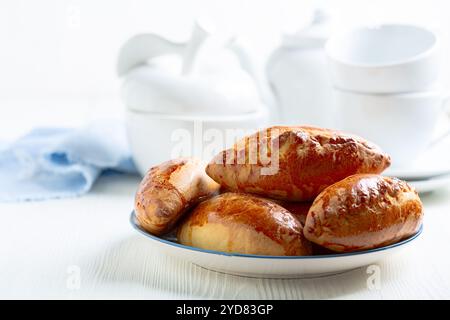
242 223
300 211
297 209
294 163
363 212
169 190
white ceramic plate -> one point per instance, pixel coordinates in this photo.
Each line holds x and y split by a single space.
272 266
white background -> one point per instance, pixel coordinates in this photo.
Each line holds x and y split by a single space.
57 57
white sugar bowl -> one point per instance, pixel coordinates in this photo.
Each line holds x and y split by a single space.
185 99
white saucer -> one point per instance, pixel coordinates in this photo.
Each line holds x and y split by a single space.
431 184
434 162
272 266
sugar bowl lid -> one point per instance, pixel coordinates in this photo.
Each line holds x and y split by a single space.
196 77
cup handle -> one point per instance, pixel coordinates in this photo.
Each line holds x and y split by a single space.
446 111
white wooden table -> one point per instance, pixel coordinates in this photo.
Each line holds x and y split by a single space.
46 247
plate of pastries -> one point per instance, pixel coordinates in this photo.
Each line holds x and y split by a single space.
283 202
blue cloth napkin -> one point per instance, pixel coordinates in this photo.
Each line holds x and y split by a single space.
59 162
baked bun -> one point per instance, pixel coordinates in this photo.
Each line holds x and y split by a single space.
363 212
294 163
168 190
242 223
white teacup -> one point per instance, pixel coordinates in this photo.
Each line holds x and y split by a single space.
403 125
390 58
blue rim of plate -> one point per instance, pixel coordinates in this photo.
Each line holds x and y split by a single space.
136 226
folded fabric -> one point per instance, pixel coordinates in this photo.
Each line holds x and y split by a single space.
59 162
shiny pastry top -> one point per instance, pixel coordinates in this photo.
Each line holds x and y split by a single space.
168 190
363 211
242 223
294 163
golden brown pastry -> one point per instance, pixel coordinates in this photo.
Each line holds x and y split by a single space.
168 190
294 163
242 223
363 211
298 209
